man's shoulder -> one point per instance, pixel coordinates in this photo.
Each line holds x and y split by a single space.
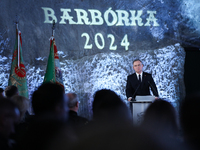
83 119
147 74
74 118
134 74
131 75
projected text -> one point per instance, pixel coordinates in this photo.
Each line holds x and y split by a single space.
110 17
100 41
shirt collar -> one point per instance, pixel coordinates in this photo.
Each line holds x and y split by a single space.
139 74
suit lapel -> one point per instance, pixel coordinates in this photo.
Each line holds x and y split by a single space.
135 77
143 79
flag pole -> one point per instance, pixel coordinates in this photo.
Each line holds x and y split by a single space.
18 42
16 21
53 28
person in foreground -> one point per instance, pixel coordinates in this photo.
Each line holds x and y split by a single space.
139 82
50 99
9 117
161 118
50 107
10 91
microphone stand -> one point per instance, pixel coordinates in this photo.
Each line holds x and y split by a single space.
135 93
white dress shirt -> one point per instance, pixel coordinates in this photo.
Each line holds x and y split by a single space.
140 75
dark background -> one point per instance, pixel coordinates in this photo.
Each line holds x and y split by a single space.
192 70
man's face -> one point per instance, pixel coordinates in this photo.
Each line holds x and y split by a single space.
138 66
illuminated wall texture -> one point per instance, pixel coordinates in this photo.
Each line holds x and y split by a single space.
98 40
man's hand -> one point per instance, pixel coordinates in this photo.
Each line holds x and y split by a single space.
130 98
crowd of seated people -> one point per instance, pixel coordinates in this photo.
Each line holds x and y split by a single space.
55 123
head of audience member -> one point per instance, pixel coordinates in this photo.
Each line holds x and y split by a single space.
11 91
137 66
9 117
50 98
23 104
160 118
108 106
1 92
73 103
189 117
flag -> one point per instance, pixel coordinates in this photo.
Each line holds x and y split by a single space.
17 73
53 71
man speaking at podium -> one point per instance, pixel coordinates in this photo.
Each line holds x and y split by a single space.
139 82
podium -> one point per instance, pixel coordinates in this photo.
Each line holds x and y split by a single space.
139 106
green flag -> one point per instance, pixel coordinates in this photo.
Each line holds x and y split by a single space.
53 71
17 73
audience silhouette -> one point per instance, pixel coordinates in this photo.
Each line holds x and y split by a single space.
9 117
11 91
50 98
161 118
111 126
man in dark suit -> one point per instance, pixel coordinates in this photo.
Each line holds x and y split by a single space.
74 119
139 82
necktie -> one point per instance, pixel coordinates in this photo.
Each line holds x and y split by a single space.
140 78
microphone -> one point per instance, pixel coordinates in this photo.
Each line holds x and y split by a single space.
135 93
156 93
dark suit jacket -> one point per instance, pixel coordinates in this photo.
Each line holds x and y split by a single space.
143 88
75 120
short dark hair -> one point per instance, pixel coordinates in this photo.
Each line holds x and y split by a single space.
107 104
72 99
47 97
11 91
161 114
137 60
105 98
